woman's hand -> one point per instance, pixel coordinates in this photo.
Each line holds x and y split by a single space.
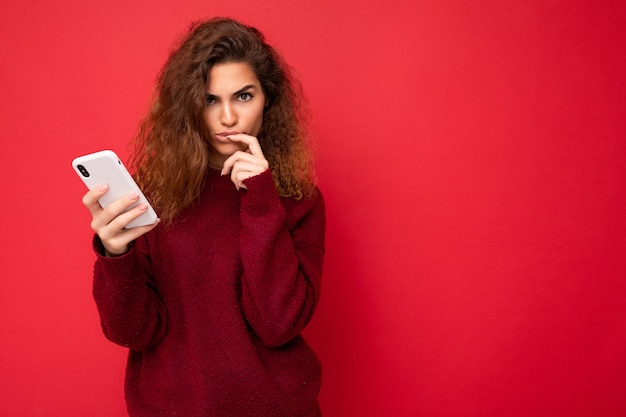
245 164
109 223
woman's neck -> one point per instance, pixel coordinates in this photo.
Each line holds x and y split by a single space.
216 161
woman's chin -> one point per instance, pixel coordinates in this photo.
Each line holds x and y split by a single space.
221 152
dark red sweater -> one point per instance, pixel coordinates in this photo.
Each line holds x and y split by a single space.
212 306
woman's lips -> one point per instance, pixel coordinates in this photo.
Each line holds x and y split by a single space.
223 136
227 133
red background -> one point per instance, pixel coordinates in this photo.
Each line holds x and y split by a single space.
472 158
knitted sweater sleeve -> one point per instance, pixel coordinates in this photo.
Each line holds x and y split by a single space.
282 252
131 312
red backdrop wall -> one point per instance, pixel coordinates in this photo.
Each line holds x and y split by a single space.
472 158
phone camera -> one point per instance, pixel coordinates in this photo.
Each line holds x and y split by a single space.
83 170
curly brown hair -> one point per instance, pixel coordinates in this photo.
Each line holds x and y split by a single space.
171 152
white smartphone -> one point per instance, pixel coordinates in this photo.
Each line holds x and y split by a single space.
105 167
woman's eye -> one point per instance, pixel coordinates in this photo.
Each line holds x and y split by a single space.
245 97
210 99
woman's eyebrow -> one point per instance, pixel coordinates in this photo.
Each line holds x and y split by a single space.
243 89
238 92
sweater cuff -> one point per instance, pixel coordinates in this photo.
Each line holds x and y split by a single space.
118 268
261 196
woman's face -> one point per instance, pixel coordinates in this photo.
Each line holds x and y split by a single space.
234 104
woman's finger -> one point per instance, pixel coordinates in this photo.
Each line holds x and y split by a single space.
243 170
119 241
113 210
109 223
90 199
241 156
253 143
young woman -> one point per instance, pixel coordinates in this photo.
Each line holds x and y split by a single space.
212 299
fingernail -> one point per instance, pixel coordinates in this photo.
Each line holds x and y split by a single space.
103 188
142 207
134 196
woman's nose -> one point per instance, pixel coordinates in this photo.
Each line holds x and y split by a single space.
228 116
